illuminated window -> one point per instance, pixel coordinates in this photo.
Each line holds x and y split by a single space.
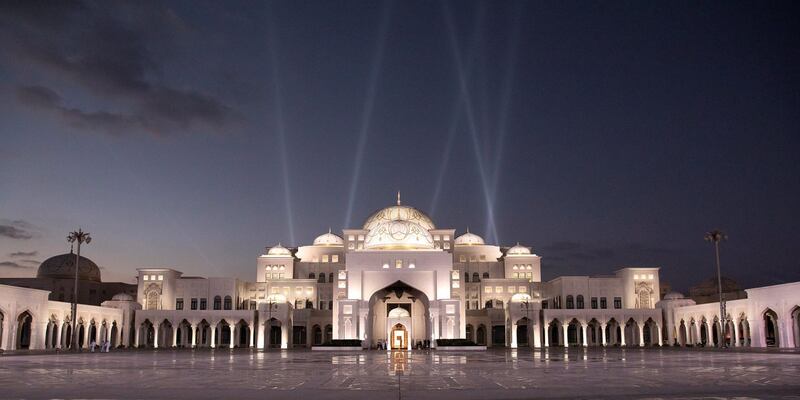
436 245
324 258
335 258
529 266
515 266
342 284
472 257
651 277
523 289
361 237
147 278
282 268
398 263
309 290
351 237
437 237
446 245
487 289
385 265
456 284
462 258
360 246
498 289
635 276
411 265
446 237
454 275
342 274
152 277
511 289
515 275
161 277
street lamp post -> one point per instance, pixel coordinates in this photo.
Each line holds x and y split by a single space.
716 236
80 237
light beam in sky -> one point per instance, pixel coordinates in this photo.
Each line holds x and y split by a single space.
470 114
280 127
505 105
369 103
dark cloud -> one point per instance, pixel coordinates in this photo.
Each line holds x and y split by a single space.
15 229
12 264
34 262
23 254
107 52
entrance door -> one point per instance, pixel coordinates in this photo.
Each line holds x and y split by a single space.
399 337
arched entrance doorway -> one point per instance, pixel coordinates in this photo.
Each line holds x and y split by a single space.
771 328
24 330
398 304
399 337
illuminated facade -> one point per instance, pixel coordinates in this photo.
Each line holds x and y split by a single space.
401 282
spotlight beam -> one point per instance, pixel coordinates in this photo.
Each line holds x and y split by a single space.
369 103
280 127
452 132
470 117
505 104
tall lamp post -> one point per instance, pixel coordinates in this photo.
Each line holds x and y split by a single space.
716 236
80 237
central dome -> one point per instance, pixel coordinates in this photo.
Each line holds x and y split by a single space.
399 213
391 235
63 267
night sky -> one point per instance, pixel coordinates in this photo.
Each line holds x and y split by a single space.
193 134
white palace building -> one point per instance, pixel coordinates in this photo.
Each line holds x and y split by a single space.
402 282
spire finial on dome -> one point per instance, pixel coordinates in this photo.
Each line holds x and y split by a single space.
467 229
398 197
329 229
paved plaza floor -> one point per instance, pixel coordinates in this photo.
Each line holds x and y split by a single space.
493 374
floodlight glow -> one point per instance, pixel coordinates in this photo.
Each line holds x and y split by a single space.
366 115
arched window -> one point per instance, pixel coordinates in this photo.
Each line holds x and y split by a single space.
466 276
330 277
570 302
228 304
475 277
485 275
489 304
321 278
217 303
312 276
580 302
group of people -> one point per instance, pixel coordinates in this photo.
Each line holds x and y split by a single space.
104 346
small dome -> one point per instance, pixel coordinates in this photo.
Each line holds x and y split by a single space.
469 239
122 297
328 239
390 235
399 213
673 296
63 267
518 251
279 251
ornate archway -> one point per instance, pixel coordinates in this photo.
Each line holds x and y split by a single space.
396 304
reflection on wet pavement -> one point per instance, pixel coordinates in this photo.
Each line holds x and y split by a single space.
523 373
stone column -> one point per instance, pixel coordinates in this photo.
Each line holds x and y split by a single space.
230 328
603 334
660 336
641 334
585 339
537 335
251 331
136 337
566 334
193 328
736 334
175 335
155 336
622 336
261 335
547 335
213 336
513 336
